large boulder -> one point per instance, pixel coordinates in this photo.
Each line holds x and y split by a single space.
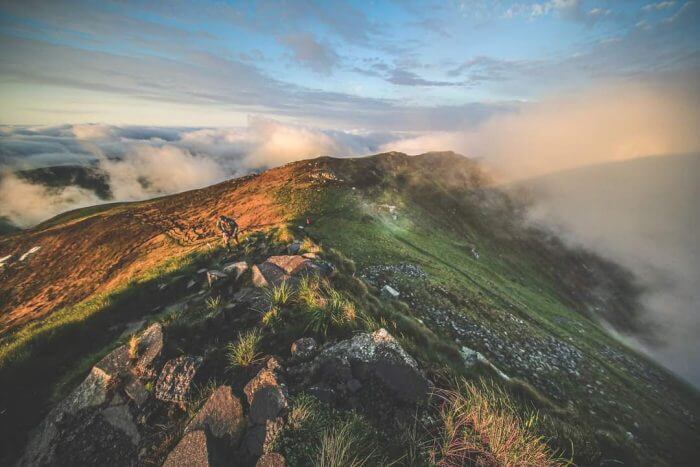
221 414
376 355
92 392
176 377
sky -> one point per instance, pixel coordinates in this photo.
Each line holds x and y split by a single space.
379 65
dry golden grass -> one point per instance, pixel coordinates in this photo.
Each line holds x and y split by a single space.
479 426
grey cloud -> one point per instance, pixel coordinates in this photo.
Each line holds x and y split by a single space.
310 52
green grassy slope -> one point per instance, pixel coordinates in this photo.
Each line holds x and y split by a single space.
513 304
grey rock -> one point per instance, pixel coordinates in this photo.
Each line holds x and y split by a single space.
390 292
136 392
236 269
304 348
268 404
260 438
380 355
120 418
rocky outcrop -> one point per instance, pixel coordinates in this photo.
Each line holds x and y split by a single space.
366 357
91 392
81 409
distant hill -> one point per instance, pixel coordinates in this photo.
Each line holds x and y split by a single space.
470 273
59 176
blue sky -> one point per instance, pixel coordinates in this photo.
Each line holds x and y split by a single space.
368 64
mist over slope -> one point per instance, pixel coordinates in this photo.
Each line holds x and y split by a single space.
643 214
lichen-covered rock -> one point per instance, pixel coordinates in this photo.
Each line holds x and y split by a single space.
271 459
191 451
378 355
176 377
221 414
304 348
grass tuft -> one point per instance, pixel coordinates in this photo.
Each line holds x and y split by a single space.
480 426
244 351
339 447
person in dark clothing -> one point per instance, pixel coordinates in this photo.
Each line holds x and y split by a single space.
229 229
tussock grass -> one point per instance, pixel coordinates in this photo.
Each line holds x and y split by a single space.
479 425
213 303
339 447
280 295
244 351
323 307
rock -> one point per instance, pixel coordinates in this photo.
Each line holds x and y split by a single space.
119 417
390 292
92 392
264 378
136 392
354 385
271 459
266 275
117 363
285 268
259 438
471 357
379 355
268 403
294 248
236 269
215 276
191 451
304 348
150 345
221 414
97 438
176 377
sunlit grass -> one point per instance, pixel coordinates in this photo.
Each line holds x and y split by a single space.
244 351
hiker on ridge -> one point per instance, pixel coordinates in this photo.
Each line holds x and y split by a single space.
228 228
